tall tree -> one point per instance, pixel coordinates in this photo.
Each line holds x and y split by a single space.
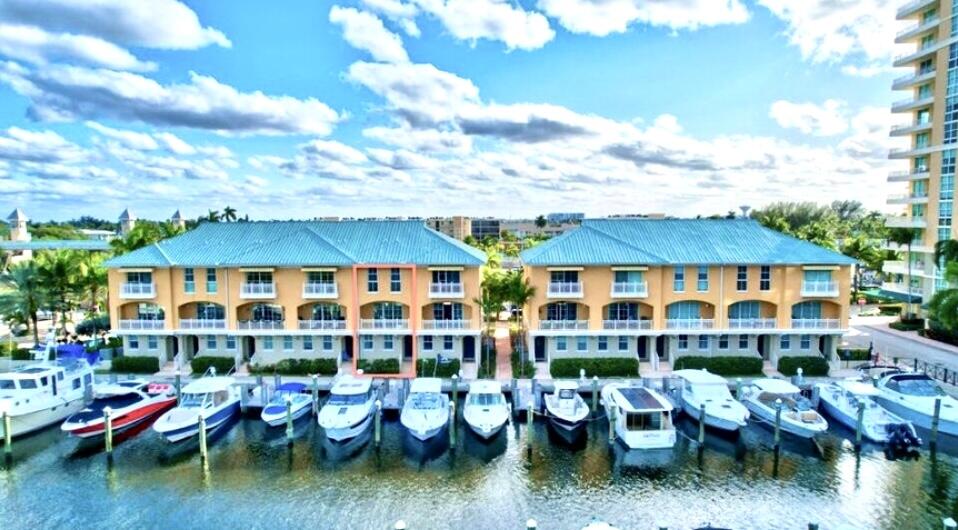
229 214
541 221
144 233
866 253
59 271
519 291
92 283
905 237
213 216
24 294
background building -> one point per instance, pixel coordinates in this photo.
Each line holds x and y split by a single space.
456 227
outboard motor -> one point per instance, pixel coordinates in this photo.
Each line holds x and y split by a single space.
902 437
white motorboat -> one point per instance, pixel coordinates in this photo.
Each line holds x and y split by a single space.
842 399
642 417
486 410
566 409
43 394
912 396
426 410
722 411
349 410
300 404
798 417
216 398
130 402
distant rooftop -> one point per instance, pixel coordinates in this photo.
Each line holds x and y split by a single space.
56 244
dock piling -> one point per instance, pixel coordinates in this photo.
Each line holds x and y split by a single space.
595 396
612 411
452 424
778 424
277 380
178 385
530 412
738 388
812 526
455 388
289 420
108 434
244 398
860 422
702 425
933 443
315 395
378 427
513 393
816 396
204 454
7 436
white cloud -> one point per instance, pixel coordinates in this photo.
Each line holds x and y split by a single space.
491 19
333 150
34 45
419 92
175 144
421 140
602 17
365 31
37 146
827 119
398 12
131 139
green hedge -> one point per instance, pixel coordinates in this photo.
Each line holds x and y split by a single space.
297 367
854 354
136 365
93 325
223 365
811 366
938 332
727 365
22 354
427 368
891 309
522 370
595 366
379 366
908 324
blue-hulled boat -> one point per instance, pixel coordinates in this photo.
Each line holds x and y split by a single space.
217 399
274 413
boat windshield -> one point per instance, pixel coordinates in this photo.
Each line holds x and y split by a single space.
643 421
567 393
7 384
426 401
921 387
347 399
193 400
485 400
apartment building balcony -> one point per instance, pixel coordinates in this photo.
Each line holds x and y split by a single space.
627 325
914 7
384 323
819 289
138 291
451 324
328 325
908 198
901 288
261 325
913 79
901 267
139 324
564 290
816 323
906 129
917 30
563 325
752 323
630 289
202 323
905 221
446 290
258 290
910 104
917 247
918 55
316 290
689 323
908 176
902 153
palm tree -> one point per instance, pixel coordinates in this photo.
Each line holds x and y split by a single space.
541 221
866 253
213 216
905 236
25 296
92 282
59 271
145 233
519 291
229 214
943 306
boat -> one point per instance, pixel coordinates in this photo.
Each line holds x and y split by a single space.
722 411
642 417
841 399
426 410
566 409
349 410
300 404
798 417
215 398
486 409
912 396
130 403
44 394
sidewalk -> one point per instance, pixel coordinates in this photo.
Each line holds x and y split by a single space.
503 352
913 336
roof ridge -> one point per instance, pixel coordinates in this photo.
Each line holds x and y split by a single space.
309 229
626 243
455 243
282 237
163 253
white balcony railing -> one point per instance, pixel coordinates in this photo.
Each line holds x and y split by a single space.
141 324
137 290
689 323
202 323
820 288
258 290
565 289
445 290
446 324
816 323
261 324
632 325
322 324
627 289
751 323
384 323
903 221
320 290
913 78
923 25
912 7
563 325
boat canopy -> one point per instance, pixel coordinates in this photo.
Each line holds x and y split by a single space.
426 385
485 387
566 385
292 388
205 385
858 388
638 399
776 386
349 385
700 377
114 389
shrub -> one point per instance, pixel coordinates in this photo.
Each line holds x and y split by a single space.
908 324
223 365
521 370
854 354
136 365
890 309
379 366
595 366
938 332
22 354
811 366
93 325
297 367
726 365
427 368
114 342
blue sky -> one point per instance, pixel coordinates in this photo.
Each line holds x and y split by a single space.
441 107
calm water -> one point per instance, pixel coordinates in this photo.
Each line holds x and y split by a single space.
254 481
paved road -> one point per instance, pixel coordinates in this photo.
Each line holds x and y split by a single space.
893 345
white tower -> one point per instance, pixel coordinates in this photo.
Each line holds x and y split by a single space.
18 226
127 222
178 220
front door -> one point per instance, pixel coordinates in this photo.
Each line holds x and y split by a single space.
762 350
540 349
643 348
469 348
250 348
407 347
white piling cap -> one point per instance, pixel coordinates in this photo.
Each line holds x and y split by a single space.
400 525
949 523
800 371
531 523
379 404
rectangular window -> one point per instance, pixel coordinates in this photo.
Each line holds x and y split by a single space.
765 278
367 342
211 342
327 343
427 343
743 342
230 342
741 279
287 342
723 342
623 343
581 344
388 342
211 286
703 279
307 343
678 279
189 283
323 277
683 342
603 344
447 343
561 344
372 280
806 342
268 343
152 342
395 282
785 342
703 342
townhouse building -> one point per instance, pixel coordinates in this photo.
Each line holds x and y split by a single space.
659 289
260 292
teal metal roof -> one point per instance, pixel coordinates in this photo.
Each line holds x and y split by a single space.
56 244
678 241
304 243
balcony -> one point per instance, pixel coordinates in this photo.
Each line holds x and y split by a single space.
314 290
138 291
917 247
563 325
901 267
904 221
328 325
752 323
913 198
905 105
446 324
384 323
917 30
820 289
445 290
630 289
142 325
258 290
816 323
908 176
202 323
912 79
564 290
910 128
913 7
901 288
689 323
628 325
260 325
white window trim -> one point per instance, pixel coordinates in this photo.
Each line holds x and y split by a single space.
578 344
562 344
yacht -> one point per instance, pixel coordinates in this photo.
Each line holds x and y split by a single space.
426 410
216 398
912 396
130 402
486 410
566 409
841 399
722 411
300 404
43 394
798 417
642 417
349 410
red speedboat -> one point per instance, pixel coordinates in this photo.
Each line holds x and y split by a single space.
131 403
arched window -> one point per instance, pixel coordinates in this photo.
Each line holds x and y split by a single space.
210 311
447 311
561 311
810 310
742 310
149 311
387 311
328 312
685 310
267 313
623 311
